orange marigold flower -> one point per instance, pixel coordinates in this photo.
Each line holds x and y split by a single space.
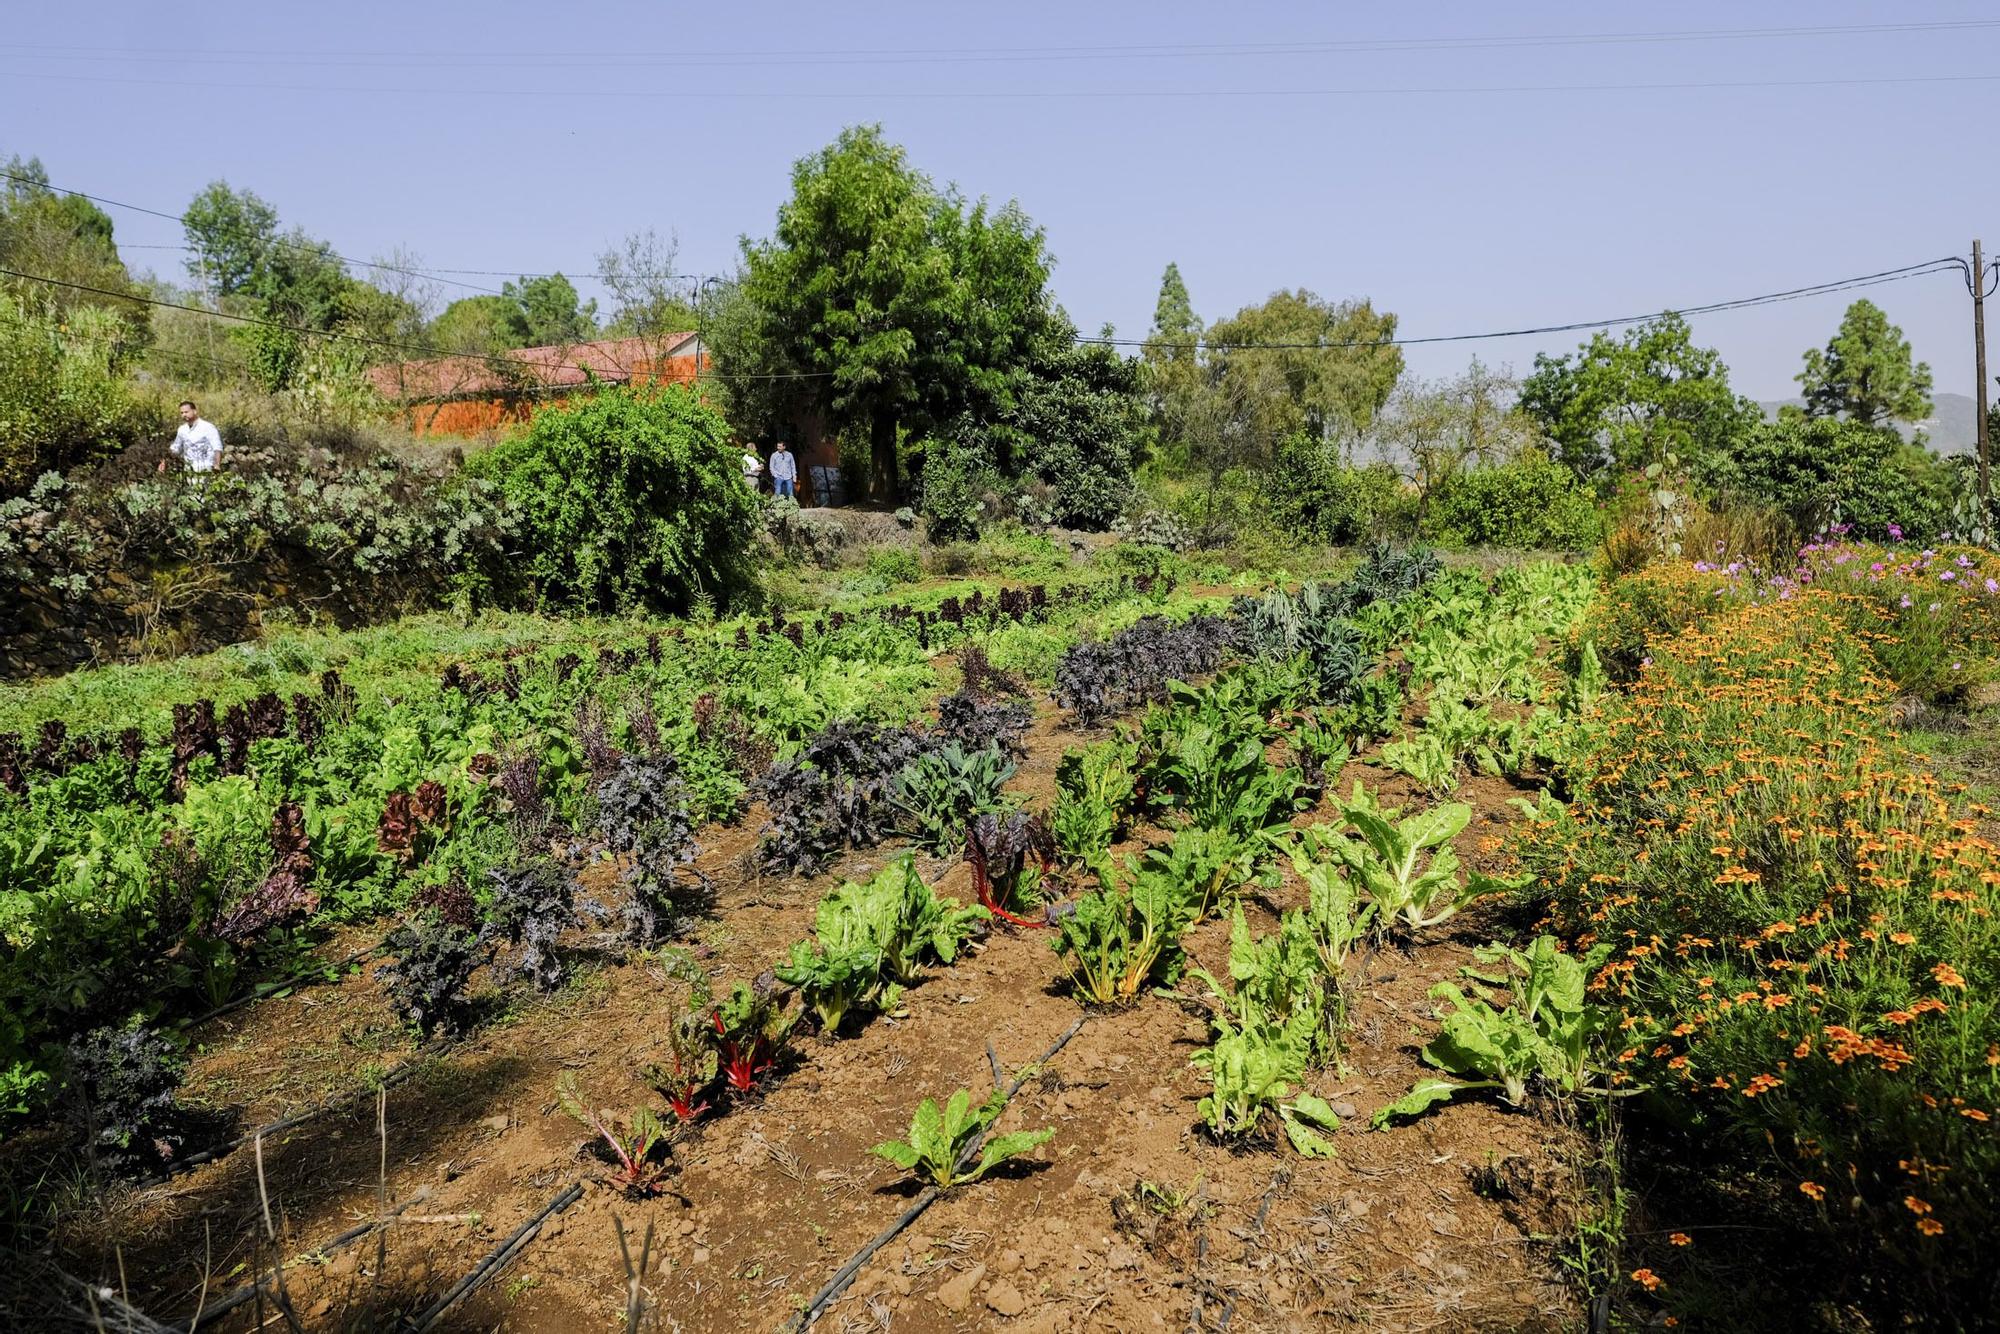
1915 1205
1681 1239
1930 1227
1947 976
1902 938
1973 1114
1812 1190
1647 1279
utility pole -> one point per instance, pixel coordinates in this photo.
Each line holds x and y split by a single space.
1979 378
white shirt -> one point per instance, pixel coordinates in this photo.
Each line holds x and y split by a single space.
199 444
752 465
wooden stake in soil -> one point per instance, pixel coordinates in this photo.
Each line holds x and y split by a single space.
845 1274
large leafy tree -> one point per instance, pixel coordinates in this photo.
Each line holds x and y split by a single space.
230 234
1632 400
1311 366
1866 372
882 305
552 313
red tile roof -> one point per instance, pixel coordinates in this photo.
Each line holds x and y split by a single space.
614 360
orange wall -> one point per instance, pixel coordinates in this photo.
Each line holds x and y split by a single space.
487 416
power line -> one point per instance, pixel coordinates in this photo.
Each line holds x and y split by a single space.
983 55
367 264
1046 94
496 359
1940 265
276 240
598 274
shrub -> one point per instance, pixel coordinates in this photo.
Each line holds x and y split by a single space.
61 399
1822 470
1532 503
955 475
895 565
1314 493
630 499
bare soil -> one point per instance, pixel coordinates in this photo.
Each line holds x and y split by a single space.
1450 1222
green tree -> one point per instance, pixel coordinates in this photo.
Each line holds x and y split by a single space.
1312 366
479 326
1632 400
552 314
1826 470
70 240
231 233
1866 373
891 307
632 499
1077 426
1171 361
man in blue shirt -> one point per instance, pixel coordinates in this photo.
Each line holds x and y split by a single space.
784 471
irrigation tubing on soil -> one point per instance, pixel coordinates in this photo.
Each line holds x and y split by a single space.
269 990
345 1239
845 1274
495 1258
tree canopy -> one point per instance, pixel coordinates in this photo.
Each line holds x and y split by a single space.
1632 400
551 312
891 307
1318 367
1866 372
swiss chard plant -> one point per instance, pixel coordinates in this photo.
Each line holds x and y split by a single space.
1010 857
1127 934
692 1061
1255 1067
871 939
752 1027
1405 864
634 1147
1548 1030
950 1145
1096 793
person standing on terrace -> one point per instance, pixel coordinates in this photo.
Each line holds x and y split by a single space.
784 471
197 443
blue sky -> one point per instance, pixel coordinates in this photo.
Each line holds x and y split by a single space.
1344 148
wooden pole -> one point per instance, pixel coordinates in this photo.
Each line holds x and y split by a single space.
1979 394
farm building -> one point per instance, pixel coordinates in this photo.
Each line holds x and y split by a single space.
470 396
474 396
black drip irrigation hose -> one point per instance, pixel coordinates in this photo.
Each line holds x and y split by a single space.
495 1259
845 1274
341 1242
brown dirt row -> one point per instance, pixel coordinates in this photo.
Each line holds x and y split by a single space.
1440 1224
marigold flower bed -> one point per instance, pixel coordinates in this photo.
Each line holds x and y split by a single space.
1805 951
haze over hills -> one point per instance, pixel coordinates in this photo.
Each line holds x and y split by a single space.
1950 426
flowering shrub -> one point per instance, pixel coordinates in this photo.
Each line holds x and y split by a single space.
1801 919
1931 616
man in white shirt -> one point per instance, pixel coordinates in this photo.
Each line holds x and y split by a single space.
198 444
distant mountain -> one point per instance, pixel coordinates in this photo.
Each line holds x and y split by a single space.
1950 426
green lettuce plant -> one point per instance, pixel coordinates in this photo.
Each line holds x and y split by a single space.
943 1141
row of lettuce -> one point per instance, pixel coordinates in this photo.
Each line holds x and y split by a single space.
156 873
